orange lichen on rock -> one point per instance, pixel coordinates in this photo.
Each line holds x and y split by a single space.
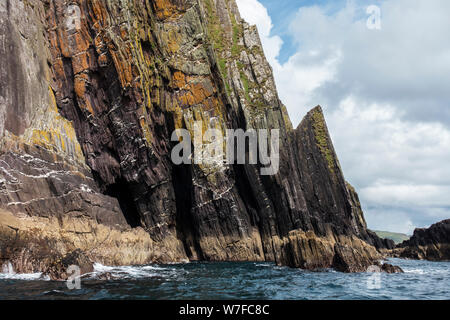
194 90
200 92
81 62
82 41
164 9
179 80
80 91
123 70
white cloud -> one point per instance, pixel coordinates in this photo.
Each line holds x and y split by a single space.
406 195
305 71
385 95
255 13
389 220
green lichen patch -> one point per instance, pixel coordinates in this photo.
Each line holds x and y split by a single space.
322 139
228 46
215 30
245 83
236 49
218 41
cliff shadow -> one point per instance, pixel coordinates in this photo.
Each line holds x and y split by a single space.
121 191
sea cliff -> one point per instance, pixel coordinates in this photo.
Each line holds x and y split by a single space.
90 93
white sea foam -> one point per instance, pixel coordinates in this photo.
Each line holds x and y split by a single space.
416 271
8 273
23 276
130 271
263 265
124 272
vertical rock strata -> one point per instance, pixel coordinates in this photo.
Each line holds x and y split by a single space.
87 110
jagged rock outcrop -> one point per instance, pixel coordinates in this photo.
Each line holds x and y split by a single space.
389 268
427 244
91 91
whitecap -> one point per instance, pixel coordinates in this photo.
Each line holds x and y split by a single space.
123 272
8 273
264 265
417 271
23 276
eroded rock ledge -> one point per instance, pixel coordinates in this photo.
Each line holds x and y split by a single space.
50 245
87 109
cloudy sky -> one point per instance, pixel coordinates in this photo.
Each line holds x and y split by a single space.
385 93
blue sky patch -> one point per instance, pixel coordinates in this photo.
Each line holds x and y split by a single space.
283 12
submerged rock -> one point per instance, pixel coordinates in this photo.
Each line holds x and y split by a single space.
93 92
389 268
385 267
59 270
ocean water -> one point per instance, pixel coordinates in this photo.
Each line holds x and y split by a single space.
228 280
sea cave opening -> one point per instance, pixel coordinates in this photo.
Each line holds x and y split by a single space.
122 192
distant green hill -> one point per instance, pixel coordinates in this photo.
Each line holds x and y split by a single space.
396 237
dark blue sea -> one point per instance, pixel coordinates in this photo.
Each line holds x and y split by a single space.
421 280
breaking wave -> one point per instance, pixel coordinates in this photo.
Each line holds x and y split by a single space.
8 273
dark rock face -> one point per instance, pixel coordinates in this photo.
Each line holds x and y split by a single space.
348 259
321 178
389 268
109 90
60 268
428 244
42 167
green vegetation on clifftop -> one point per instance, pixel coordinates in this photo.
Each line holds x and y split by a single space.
394 236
